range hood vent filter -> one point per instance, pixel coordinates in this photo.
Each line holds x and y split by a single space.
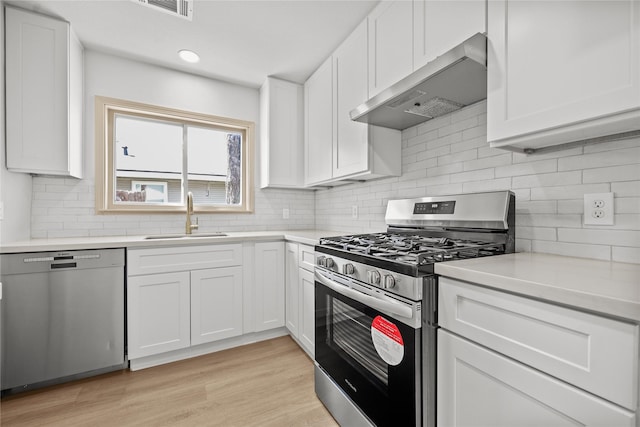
435 107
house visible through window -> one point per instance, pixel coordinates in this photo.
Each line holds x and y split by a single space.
151 157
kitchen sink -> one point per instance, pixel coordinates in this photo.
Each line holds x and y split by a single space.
183 236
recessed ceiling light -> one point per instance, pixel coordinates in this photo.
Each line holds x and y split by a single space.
188 55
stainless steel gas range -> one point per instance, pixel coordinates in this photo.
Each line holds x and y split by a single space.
376 304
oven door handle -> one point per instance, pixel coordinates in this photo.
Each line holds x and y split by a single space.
378 302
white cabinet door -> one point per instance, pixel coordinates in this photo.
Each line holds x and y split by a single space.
390 44
216 304
44 92
350 142
562 71
158 314
479 387
592 352
281 134
307 257
292 294
269 285
308 313
440 25
318 99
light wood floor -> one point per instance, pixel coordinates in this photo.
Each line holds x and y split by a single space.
269 383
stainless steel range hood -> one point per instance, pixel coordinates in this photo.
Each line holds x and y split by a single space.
451 81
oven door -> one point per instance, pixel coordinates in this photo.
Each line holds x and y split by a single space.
368 343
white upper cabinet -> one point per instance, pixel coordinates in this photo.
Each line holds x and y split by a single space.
318 111
44 90
350 143
562 71
281 135
390 44
338 148
440 25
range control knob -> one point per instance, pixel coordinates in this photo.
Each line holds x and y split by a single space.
329 263
348 269
321 261
388 281
373 276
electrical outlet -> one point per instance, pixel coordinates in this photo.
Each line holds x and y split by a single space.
285 213
354 211
598 209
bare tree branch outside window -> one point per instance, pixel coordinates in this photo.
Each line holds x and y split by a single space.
233 173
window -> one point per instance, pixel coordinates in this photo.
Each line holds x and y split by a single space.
148 158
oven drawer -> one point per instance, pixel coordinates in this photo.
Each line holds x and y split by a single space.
595 353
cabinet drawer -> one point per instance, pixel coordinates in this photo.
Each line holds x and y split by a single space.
595 353
182 258
478 387
307 257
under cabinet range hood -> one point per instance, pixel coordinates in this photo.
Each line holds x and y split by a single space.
451 81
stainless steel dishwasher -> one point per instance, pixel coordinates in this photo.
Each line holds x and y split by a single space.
62 316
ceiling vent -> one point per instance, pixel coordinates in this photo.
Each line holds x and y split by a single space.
181 8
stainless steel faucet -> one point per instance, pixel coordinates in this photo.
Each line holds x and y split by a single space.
189 226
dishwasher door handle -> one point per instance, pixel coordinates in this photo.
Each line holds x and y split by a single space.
64 265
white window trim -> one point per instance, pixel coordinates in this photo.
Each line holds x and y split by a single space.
105 108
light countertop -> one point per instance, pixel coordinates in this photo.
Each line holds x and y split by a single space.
609 288
308 237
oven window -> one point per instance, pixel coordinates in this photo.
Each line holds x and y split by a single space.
352 334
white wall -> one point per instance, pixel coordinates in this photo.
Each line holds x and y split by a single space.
15 188
450 155
66 207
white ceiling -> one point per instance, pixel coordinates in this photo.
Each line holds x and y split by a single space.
238 41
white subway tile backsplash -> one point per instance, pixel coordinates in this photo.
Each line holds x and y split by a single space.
567 191
600 236
612 145
548 220
590 250
547 179
525 158
575 206
536 233
626 254
489 162
460 156
537 206
619 157
488 185
472 176
611 174
543 166
626 205
443 156
549 187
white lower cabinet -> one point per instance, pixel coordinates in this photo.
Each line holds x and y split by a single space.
292 291
269 286
307 334
216 304
478 387
182 296
158 315
300 295
507 360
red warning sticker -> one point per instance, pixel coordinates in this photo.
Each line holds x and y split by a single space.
387 340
